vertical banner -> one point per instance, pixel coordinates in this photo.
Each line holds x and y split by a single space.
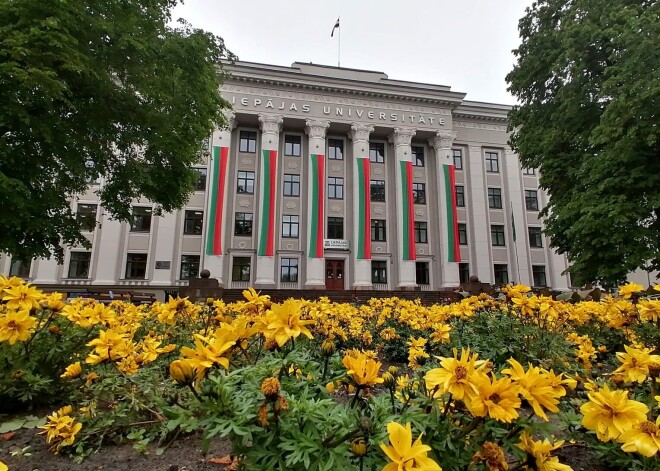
219 158
364 200
453 246
269 184
317 175
408 224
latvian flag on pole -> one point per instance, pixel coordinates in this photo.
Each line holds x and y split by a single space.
335 27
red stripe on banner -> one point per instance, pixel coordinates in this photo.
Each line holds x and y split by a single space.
411 214
367 209
452 182
220 198
320 222
270 241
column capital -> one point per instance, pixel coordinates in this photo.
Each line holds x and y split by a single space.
401 136
360 132
270 124
230 118
443 139
316 128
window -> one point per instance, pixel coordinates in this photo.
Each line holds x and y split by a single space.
419 193
492 162
529 171
535 237
291 185
463 272
422 275
378 271
377 190
189 267
290 226
136 265
93 179
141 219
538 273
462 234
531 200
292 145
243 225
335 188
497 235
421 233
240 270
335 228
501 274
495 198
79 264
378 230
201 180
192 222
19 268
458 158
460 196
335 149
86 216
377 152
289 270
245 182
417 156
247 141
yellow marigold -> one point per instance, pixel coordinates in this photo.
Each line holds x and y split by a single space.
183 371
643 438
454 374
270 387
72 371
649 309
406 454
635 363
492 455
61 428
284 322
535 387
611 413
22 297
629 289
495 398
538 454
388 334
16 326
362 370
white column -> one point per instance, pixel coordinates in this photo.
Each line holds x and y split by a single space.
480 230
268 178
405 238
361 244
215 214
315 266
519 248
47 271
164 249
109 253
441 142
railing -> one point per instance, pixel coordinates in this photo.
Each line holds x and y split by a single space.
133 282
240 284
425 287
74 281
289 286
381 287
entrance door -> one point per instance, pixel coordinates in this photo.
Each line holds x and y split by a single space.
334 274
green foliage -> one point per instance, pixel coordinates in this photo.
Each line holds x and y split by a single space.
98 88
587 78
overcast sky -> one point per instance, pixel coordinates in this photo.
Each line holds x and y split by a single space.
465 44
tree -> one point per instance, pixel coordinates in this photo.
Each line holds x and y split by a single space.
99 87
588 80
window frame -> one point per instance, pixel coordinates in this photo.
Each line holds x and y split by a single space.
377 191
246 176
460 196
528 171
422 268
292 277
377 157
419 193
129 264
292 151
535 235
462 233
534 200
23 270
189 265
202 178
492 160
415 152
420 230
494 198
497 235
379 272
378 228
501 269
235 266
336 222
332 144
87 219
535 273
249 138
243 223
334 187
73 259
192 224
148 211
464 272
293 185
289 226
457 156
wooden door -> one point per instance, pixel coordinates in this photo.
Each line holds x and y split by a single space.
334 274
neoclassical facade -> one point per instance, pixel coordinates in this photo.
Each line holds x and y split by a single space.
332 178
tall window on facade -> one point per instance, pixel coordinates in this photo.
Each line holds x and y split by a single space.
497 235
378 230
291 185
501 274
86 215
243 224
419 193
492 162
528 171
292 145
189 267
336 188
136 266
531 200
458 158
245 182
335 228
201 180
378 271
463 272
335 149
538 273
247 141
141 219
495 198
535 237
240 269
290 226
421 233
417 156
79 264
460 196
422 274
377 152
462 234
289 270
192 222
19 268
377 190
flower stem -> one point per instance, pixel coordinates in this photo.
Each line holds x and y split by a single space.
355 398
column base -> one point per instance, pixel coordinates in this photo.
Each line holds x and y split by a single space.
264 284
362 287
312 285
407 287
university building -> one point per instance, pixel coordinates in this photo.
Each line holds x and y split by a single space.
331 178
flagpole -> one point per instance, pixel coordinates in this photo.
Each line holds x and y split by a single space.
339 44
515 244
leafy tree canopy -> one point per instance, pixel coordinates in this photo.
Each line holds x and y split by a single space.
98 87
588 80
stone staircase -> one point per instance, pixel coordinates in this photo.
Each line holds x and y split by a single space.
278 295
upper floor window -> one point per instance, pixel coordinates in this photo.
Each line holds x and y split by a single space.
377 190
192 222
417 156
247 141
291 185
531 200
495 198
335 149
378 230
535 237
492 162
292 145
243 224
335 228
421 232
377 152
497 235
460 196
462 234
141 219
201 180
419 193
86 215
528 171
290 226
335 188
245 182
458 158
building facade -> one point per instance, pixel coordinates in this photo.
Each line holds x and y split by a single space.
332 178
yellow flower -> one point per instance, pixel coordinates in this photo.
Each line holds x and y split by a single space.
649 310
61 428
255 300
3 467
629 289
644 438
284 323
538 454
635 363
270 387
536 388
359 447
23 297
362 369
72 371
496 398
611 413
406 454
526 304
492 456
453 376
183 372
16 326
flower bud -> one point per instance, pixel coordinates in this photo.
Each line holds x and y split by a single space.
388 379
359 447
393 370
270 387
328 347
365 423
182 372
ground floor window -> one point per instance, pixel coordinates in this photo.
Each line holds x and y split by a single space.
189 267
501 274
20 269
378 271
422 274
136 266
79 264
289 270
538 273
463 272
240 270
